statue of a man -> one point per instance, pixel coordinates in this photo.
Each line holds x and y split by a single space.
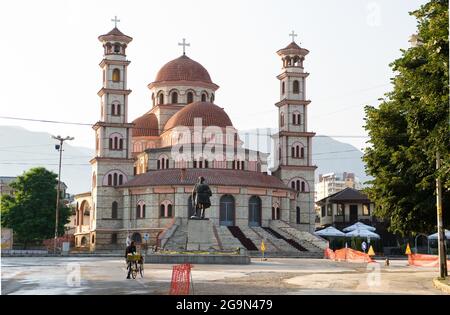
200 198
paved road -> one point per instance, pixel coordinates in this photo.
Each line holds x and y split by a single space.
75 275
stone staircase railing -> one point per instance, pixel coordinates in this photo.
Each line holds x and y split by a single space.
308 240
169 232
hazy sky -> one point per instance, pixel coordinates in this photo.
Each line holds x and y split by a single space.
50 55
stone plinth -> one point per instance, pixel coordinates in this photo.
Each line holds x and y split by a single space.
200 235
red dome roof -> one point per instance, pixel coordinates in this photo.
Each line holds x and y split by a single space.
146 125
211 115
183 69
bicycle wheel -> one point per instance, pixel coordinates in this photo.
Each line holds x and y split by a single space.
141 270
134 271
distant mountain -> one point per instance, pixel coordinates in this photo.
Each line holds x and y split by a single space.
22 149
329 154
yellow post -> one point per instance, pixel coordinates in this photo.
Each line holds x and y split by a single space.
263 249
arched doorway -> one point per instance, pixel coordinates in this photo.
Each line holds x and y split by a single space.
191 210
254 211
227 210
136 237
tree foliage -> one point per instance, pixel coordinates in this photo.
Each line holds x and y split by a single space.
30 212
408 128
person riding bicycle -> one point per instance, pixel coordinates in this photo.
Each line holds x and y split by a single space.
130 250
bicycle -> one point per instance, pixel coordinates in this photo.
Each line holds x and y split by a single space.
136 263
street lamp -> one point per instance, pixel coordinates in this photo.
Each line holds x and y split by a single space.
60 148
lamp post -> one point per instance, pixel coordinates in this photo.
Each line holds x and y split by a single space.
440 225
58 147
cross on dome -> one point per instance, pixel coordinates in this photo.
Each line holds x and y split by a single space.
293 35
115 20
184 44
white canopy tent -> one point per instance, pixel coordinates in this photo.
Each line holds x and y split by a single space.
331 232
359 226
363 233
435 235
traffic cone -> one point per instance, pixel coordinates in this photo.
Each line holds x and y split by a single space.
371 251
408 250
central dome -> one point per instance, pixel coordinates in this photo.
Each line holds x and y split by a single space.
183 69
211 115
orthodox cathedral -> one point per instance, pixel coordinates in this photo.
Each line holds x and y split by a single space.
143 171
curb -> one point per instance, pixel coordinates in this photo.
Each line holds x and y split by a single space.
438 284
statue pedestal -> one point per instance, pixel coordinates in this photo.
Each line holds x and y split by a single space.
200 235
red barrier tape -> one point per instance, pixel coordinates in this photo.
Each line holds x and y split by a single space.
422 260
348 254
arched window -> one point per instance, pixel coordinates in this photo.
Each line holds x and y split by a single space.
161 98
118 110
283 87
298 215
163 162
212 98
282 119
114 178
296 118
116 48
297 151
140 210
116 75
191 210
115 141
254 211
296 87
300 185
203 97
166 209
136 237
174 98
114 207
227 210
190 97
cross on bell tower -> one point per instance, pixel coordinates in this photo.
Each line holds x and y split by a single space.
293 35
115 20
184 44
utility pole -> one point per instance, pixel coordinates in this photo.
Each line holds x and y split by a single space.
60 148
441 235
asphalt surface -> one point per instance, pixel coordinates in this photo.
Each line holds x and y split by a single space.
96 275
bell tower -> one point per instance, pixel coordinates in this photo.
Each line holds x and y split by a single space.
293 142
112 165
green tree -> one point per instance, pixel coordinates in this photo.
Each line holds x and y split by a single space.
31 211
408 128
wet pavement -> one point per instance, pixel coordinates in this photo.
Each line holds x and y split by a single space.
96 275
